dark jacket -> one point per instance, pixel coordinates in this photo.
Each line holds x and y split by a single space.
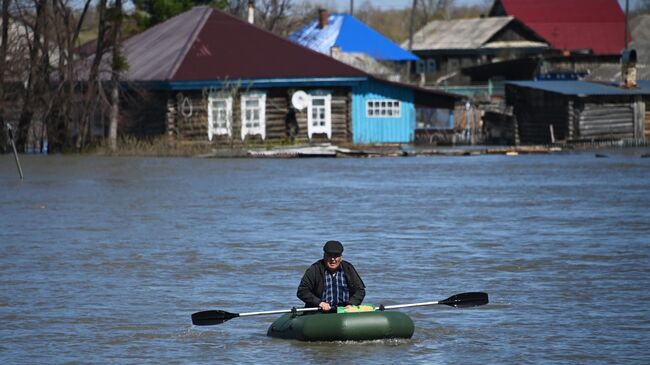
312 283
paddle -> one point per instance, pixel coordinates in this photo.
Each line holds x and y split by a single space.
463 300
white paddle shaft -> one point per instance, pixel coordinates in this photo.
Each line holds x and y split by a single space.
278 312
410 305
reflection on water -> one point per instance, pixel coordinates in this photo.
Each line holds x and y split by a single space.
103 260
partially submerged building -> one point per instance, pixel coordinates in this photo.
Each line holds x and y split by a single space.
546 112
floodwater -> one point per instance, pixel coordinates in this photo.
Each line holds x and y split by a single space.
103 259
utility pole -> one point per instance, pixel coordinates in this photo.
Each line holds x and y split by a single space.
627 5
412 25
351 7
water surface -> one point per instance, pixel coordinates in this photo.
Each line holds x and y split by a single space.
102 260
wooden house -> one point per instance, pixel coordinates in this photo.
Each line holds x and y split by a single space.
447 46
546 112
205 75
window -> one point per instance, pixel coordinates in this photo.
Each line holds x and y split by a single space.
319 118
431 66
385 108
219 116
419 67
253 111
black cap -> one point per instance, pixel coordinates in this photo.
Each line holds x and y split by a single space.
333 247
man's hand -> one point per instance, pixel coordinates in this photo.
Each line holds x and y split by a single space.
324 306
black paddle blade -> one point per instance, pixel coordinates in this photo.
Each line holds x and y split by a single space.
465 300
208 318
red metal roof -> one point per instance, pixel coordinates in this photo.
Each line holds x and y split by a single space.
572 24
225 47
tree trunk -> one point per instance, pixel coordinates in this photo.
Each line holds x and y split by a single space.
115 77
3 60
91 95
34 84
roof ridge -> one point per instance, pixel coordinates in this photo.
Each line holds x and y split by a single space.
190 41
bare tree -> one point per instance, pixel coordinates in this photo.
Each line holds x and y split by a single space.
117 66
35 82
92 87
3 64
434 9
274 15
68 26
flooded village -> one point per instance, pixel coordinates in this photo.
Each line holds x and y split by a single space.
534 78
325 181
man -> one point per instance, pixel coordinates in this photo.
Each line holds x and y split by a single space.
331 282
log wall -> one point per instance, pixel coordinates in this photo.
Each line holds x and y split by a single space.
574 118
194 127
606 121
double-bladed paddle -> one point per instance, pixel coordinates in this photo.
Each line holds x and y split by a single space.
463 300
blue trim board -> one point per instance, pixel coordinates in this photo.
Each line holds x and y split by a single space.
253 83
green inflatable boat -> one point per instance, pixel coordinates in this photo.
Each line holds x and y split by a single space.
362 326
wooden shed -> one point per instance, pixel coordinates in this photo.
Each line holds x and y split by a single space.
573 111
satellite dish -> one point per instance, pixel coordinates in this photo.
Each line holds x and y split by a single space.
299 100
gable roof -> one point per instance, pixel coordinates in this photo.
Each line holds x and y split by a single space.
350 35
468 34
206 44
570 24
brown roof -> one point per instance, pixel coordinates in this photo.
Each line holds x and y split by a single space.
206 44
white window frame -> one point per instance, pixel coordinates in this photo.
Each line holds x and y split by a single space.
219 131
253 130
383 108
327 127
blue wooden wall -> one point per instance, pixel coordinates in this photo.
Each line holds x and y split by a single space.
367 130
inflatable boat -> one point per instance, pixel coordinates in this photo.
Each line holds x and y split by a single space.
360 326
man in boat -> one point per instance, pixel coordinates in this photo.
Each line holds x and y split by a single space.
331 282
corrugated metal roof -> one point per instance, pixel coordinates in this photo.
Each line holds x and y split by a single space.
572 24
155 53
206 44
228 48
583 88
350 35
463 34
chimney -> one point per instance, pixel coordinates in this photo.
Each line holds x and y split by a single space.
323 16
251 11
628 68
335 52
